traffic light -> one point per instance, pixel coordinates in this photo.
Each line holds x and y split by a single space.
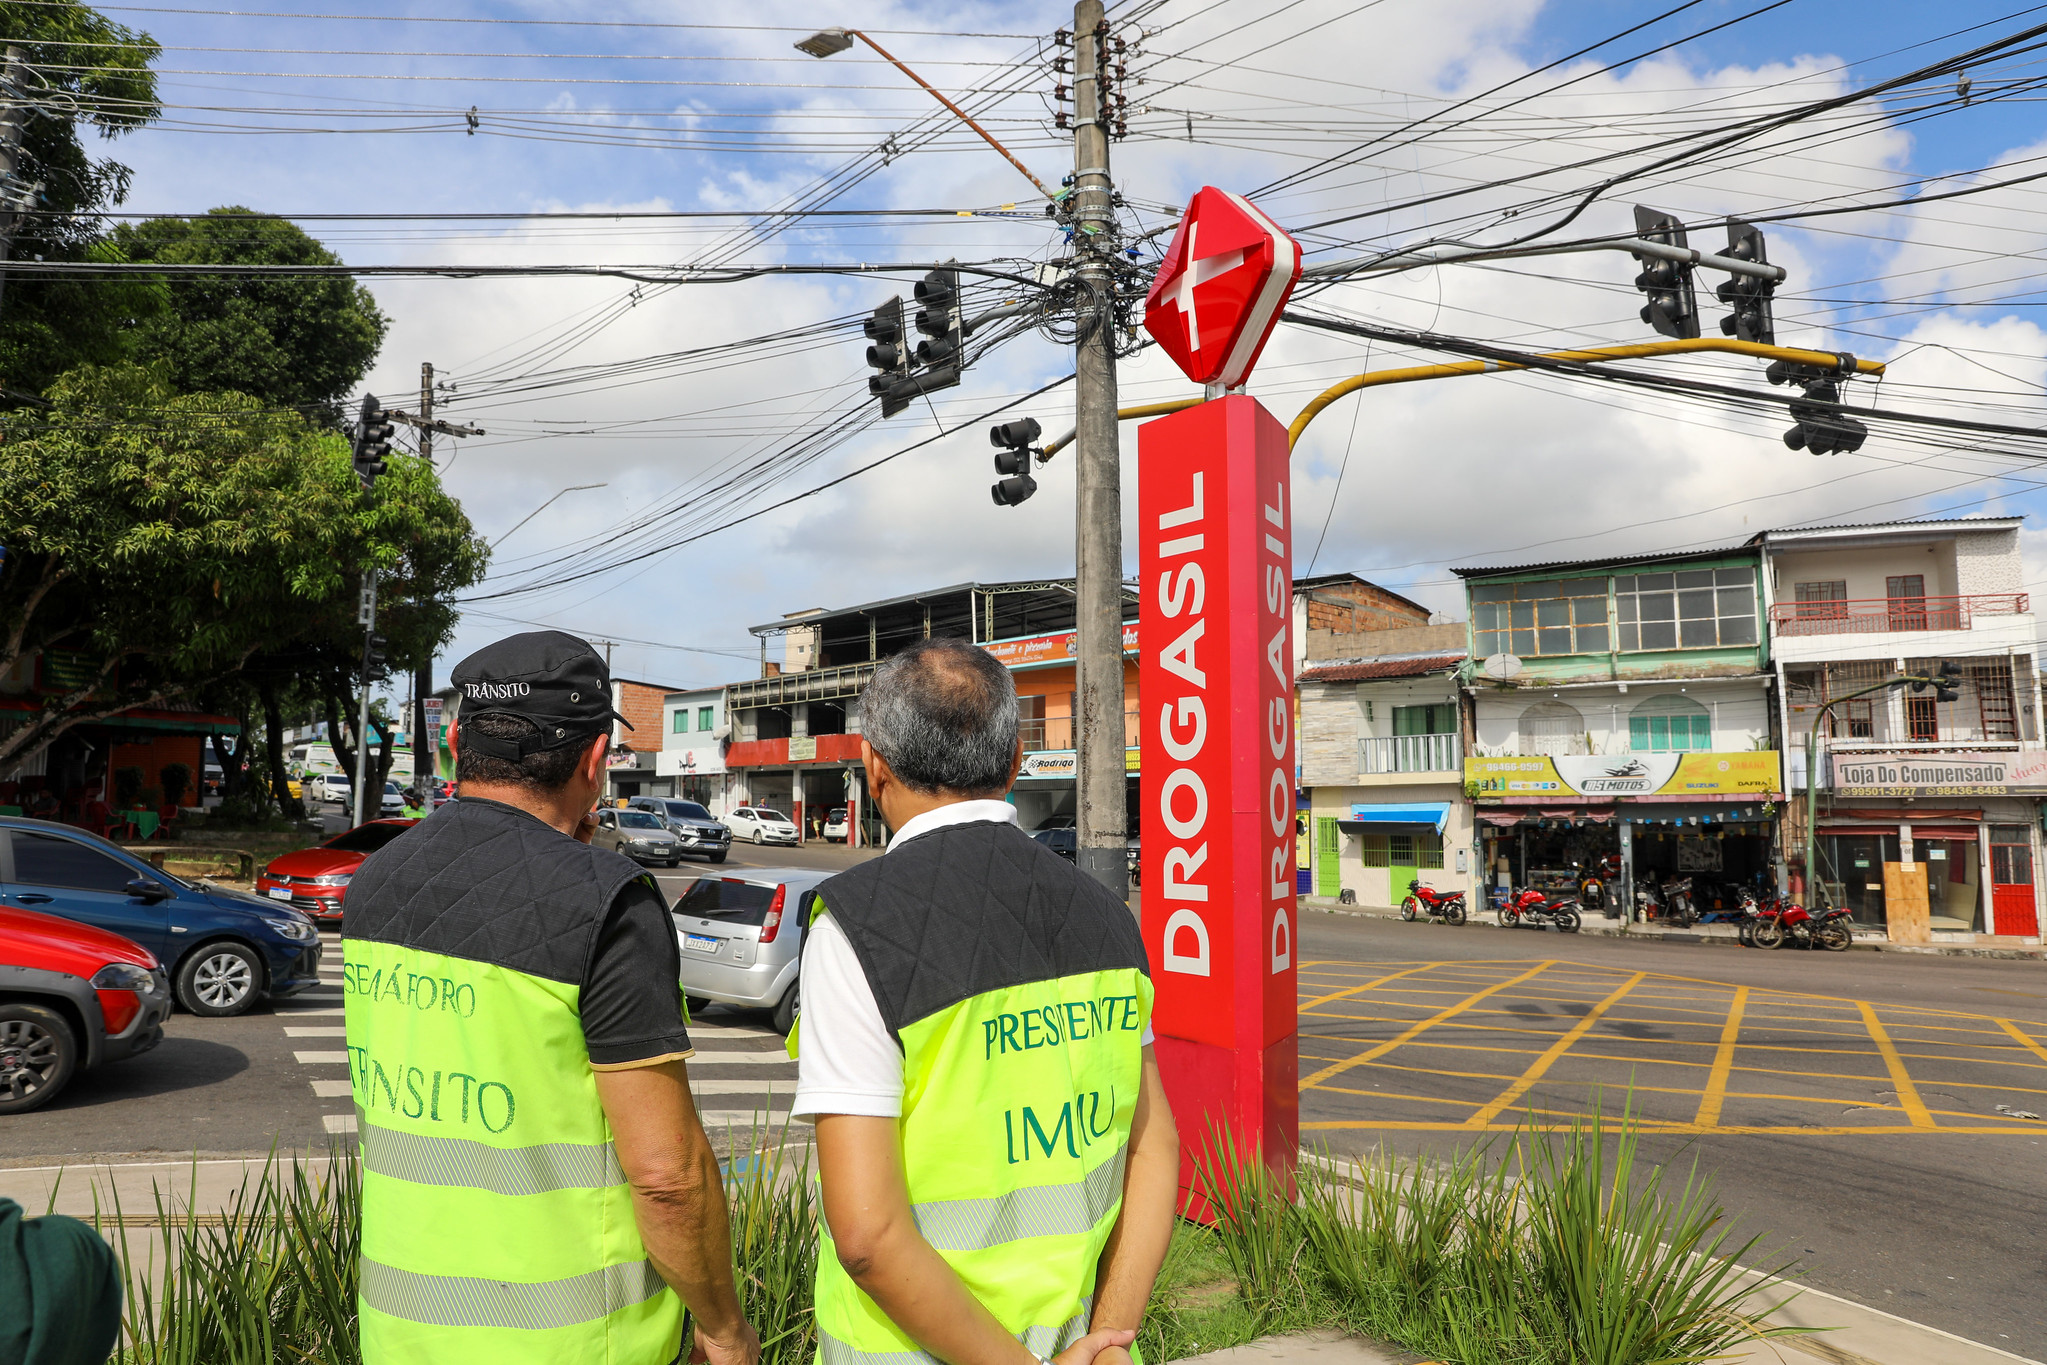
889 354
1672 308
938 317
1821 430
1012 442
376 655
372 441
1748 295
1945 683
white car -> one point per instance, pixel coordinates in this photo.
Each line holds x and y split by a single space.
328 787
836 824
762 826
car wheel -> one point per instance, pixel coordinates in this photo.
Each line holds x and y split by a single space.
219 980
695 1004
784 1017
760 837
38 1055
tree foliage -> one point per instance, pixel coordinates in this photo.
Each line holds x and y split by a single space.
159 542
296 342
85 73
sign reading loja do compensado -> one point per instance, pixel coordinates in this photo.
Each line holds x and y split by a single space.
1954 774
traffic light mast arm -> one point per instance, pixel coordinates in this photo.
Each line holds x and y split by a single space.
1942 681
1453 369
1449 255
1589 355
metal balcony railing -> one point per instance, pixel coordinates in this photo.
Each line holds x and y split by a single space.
1882 615
1411 754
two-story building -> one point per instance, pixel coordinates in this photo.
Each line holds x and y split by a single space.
691 764
636 745
1381 746
1928 809
1620 724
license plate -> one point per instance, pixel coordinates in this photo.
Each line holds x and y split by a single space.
700 943
279 893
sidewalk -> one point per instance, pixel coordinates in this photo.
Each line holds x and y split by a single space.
1856 1336
1722 935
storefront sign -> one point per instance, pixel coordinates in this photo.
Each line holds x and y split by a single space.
1754 771
802 748
1215 564
1062 763
1963 774
1056 648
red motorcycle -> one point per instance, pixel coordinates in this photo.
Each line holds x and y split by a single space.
1446 905
1789 922
1534 906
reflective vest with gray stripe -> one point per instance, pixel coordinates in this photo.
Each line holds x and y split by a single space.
496 1224
1017 990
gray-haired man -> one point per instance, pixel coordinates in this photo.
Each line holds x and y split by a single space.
998 1159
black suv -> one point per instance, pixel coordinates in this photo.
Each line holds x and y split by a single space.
701 833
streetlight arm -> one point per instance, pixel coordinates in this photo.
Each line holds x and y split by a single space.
573 488
958 112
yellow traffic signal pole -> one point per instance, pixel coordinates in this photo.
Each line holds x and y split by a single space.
1452 369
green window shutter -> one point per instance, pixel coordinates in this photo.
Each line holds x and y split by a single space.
704 714
1328 876
1638 734
1410 720
681 721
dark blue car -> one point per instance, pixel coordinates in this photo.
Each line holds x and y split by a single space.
225 950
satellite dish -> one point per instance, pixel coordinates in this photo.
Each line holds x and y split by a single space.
1501 666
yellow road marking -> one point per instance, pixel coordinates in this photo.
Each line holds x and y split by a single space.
1416 1030
1723 1062
1353 990
1908 1094
2024 1041
1542 1064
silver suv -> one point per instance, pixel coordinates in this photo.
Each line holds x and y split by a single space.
696 829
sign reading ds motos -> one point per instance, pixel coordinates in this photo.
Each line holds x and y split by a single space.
1957 774
1215 566
1751 771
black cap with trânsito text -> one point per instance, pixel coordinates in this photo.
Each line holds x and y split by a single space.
548 677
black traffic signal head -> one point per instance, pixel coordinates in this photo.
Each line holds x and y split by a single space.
1014 489
1823 430
938 297
372 441
888 354
1748 295
376 654
1012 435
1946 682
1672 307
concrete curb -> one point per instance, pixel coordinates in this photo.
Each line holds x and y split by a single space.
1704 935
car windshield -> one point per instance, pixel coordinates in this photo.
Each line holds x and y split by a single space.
687 810
839 813
366 838
726 898
390 789
774 817
638 819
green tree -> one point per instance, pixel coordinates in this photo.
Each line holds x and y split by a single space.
298 342
159 543
84 72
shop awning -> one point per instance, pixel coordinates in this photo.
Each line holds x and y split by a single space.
1434 814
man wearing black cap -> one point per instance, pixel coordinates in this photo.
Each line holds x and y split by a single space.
537 1187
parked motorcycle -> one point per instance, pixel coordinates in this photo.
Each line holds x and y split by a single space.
1789 922
1534 906
1594 882
1445 905
1679 911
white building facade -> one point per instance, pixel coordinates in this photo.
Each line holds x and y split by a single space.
1928 810
691 764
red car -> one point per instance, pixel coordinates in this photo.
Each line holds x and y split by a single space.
315 879
71 998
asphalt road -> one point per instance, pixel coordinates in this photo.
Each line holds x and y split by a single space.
1854 1109
278 1076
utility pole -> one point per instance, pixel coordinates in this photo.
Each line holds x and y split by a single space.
426 756
367 614
11 197
1098 539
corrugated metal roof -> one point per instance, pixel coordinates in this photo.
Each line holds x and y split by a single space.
1387 666
1606 562
1889 525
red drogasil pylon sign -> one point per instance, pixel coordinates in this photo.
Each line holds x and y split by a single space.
1220 290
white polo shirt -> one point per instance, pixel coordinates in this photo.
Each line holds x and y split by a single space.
847 1061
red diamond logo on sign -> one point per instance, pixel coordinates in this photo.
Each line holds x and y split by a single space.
1224 281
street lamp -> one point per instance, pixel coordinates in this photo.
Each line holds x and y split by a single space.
1942 681
826 42
572 488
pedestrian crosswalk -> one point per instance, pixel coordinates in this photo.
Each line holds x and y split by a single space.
741 1076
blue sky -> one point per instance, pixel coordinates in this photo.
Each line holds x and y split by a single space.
1417 479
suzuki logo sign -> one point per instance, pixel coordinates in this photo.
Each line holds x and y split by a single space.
1224 281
